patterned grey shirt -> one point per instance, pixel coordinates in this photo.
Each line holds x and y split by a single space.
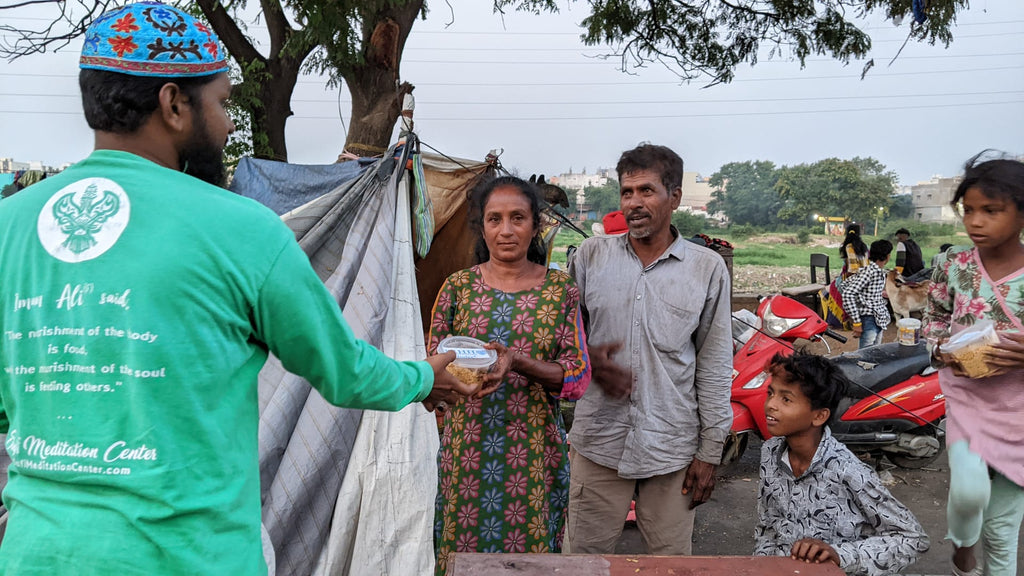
672 318
838 500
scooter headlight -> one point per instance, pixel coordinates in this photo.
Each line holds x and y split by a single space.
776 325
756 381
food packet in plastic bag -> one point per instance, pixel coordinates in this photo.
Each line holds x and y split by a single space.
970 346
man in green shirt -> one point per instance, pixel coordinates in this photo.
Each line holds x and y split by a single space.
137 305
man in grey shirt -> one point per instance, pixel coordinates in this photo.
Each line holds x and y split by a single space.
656 308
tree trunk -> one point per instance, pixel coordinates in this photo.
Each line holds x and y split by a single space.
374 85
271 117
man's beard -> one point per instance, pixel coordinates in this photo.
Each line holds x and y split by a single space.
201 157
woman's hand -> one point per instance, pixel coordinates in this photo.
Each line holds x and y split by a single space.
498 372
1008 354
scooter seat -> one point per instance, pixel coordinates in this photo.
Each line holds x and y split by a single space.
879 367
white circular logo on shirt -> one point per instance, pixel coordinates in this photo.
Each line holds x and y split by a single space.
84 219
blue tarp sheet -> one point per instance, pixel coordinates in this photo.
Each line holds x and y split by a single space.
283 187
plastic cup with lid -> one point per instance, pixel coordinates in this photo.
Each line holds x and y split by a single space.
472 360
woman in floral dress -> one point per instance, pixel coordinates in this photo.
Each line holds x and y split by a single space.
503 463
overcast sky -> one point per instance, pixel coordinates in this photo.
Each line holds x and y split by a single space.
527 84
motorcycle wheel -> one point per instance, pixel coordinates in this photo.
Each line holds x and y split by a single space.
916 463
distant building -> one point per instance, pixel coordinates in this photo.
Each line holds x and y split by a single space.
932 199
574 182
696 192
10 165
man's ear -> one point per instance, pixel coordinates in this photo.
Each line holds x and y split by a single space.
677 196
174 108
821 416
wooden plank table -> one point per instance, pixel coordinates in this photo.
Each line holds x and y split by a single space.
466 564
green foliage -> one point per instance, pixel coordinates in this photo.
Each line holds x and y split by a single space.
803 236
902 206
712 38
742 231
745 192
603 199
857 189
245 98
689 224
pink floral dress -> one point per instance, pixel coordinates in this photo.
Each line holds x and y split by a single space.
985 411
503 464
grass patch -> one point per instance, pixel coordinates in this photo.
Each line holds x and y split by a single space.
782 249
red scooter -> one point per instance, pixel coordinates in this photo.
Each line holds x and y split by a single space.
894 406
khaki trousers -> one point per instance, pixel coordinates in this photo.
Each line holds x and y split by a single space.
599 501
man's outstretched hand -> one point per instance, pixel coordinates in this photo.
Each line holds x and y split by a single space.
447 388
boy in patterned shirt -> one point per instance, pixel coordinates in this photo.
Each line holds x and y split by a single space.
818 502
862 296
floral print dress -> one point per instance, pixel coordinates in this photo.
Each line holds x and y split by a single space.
503 463
984 411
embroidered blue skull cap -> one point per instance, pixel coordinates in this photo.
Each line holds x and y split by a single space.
152 39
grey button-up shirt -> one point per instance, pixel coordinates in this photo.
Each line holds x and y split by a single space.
673 320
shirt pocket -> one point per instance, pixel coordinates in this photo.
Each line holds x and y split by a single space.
671 325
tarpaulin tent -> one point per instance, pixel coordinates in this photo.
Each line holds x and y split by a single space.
345 491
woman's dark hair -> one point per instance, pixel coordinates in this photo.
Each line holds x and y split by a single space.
998 177
661 159
853 237
478 198
121 103
818 377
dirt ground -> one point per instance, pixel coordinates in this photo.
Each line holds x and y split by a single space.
725 525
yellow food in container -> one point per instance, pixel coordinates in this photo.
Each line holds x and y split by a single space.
472 361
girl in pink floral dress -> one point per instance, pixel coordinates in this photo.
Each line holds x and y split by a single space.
503 463
985 416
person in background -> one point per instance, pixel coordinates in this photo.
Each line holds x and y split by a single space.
139 301
984 428
656 308
909 260
817 502
863 299
504 464
939 258
853 251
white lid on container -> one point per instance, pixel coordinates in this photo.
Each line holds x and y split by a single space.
469 352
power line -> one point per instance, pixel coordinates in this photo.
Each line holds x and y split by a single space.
623 83
622 102
676 116
637 117
599 48
606 60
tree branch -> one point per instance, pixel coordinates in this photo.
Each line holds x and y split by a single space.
277 25
230 34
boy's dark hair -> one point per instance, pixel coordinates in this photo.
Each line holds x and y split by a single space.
818 377
945 247
661 159
478 197
121 103
880 250
997 178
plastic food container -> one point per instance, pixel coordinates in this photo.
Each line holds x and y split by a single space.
969 347
908 331
472 360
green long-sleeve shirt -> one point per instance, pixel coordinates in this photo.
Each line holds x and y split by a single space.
137 306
